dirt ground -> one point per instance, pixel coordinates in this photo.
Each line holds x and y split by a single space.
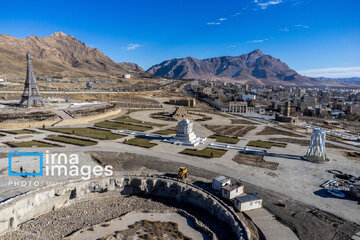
230 130
241 121
255 160
303 142
274 131
305 221
150 230
65 221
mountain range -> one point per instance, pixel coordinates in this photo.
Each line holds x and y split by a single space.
63 56
252 68
59 55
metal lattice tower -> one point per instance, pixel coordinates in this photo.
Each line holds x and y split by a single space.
31 94
317 151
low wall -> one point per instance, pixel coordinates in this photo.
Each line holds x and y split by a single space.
23 208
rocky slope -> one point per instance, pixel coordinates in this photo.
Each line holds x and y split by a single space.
254 67
63 51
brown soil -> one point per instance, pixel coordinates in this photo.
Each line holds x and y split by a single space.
255 160
150 230
241 121
230 130
274 131
307 222
305 142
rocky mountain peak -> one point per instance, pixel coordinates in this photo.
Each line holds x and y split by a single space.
257 52
254 67
59 34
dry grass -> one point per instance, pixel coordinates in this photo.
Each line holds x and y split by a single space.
305 142
205 153
123 126
140 142
230 130
72 140
88 132
274 131
225 139
31 144
241 121
265 144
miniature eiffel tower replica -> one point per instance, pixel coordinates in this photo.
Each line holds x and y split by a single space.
31 94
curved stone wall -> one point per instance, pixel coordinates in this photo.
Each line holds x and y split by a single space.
23 208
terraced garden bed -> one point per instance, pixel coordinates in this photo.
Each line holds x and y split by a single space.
123 126
140 142
205 153
230 130
88 132
274 131
128 119
34 143
72 140
225 139
265 144
20 131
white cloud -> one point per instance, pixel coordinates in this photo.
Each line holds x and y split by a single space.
338 72
265 4
258 41
222 19
301 26
285 29
132 46
213 23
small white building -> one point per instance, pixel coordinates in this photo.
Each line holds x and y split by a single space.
126 76
246 97
355 189
232 191
248 202
219 182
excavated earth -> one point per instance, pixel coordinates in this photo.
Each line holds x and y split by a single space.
64 221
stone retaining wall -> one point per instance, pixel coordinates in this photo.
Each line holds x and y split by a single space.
23 208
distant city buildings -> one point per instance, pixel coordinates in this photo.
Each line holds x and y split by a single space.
286 104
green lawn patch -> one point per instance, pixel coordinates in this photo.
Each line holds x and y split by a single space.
166 131
225 139
205 153
128 119
140 142
20 131
72 140
265 144
31 144
88 132
123 126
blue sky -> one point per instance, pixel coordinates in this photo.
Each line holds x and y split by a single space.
314 37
